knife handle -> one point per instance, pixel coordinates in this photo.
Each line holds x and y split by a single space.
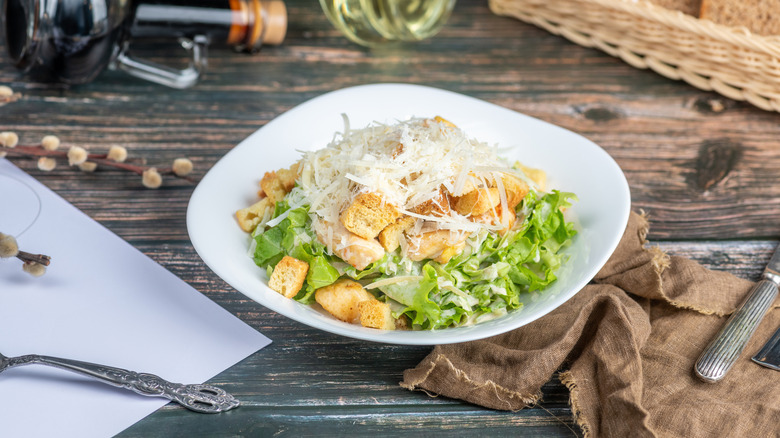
724 350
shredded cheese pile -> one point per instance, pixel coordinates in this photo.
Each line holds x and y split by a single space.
408 163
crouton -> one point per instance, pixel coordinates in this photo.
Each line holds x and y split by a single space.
288 176
351 248
444 121
402 323
368 215
516 189
288 276
272 187
376 314
470 183
276 184
432 244
477 201
342 298
441 120
249 217
390 236
506 218
397 150
438 206
538 176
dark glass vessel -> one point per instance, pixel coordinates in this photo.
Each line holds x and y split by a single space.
68 41
73 41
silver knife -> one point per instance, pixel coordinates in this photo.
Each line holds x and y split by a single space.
724 350
769 356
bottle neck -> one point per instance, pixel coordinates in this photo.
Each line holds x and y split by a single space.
238 23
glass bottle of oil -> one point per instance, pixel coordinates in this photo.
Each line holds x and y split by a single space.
375 22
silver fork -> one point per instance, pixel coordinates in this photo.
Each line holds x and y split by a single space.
200 398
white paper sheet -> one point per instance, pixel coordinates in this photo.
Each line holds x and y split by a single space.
102 301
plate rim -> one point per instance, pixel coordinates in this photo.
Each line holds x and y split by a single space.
406 337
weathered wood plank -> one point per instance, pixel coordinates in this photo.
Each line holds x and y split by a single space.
704 167
352 421
738 200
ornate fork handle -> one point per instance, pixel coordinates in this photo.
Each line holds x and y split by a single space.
199 398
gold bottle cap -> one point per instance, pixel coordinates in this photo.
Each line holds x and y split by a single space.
268 24
275 17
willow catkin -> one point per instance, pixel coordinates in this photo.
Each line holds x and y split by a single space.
9 139
76 155
117 153
151 178
182 166
50 142
8 246
34 269
46 164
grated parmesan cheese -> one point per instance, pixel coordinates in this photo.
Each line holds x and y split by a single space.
407 163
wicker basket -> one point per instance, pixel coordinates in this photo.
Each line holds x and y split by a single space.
709 56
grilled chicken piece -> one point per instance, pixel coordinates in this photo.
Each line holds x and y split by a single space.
350 247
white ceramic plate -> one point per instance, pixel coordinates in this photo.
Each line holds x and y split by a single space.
572 162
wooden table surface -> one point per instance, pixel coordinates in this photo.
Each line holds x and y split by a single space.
705 168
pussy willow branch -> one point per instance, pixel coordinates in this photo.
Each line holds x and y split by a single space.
27 150
37 258
101 159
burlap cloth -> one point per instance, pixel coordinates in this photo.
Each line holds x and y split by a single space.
627 342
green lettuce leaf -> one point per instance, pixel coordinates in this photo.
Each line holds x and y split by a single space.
486 279
416 296
293 236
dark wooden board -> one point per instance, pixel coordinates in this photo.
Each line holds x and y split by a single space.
706 169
